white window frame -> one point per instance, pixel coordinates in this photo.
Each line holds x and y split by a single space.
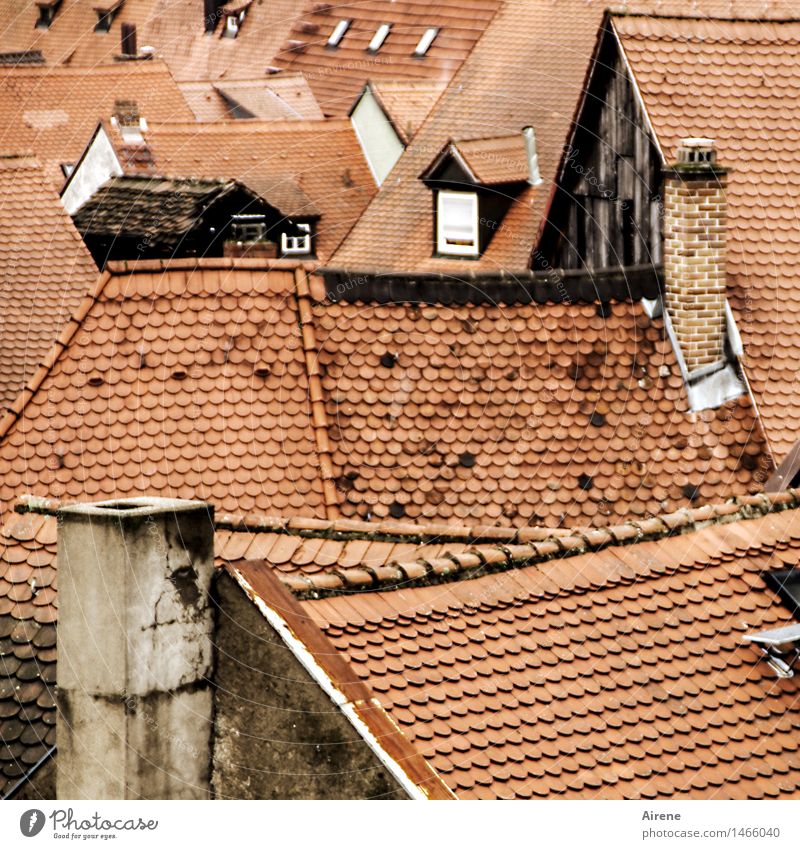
296 245
233 23
449 246
425 42
381 34
339 32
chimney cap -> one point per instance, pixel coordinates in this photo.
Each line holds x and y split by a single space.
697 155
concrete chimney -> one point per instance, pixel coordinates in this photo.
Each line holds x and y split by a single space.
694 253
135 650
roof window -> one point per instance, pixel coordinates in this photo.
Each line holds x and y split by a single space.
233 23
380 36
786 584
425 42
106 15
338 33
457 223
780 647
296 245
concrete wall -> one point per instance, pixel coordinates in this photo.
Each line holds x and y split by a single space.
381 145
278 735
135 650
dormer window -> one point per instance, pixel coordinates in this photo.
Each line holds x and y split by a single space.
380 36
338 33
457 223
106 15
232 25
47 13
298 244
426 41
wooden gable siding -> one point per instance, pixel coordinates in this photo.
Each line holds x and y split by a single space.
606 208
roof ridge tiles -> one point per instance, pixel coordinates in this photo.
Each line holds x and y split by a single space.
493 558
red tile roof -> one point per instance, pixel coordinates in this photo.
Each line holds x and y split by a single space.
46 271
528 414
337 75
299 153
528 68
175 30
749 76
616 674
133 400
407 102
54 111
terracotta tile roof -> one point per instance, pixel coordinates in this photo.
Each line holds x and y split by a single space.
749 73
527 69
54 111
316 557
133 400
281 97
28 613
173 29
46 271
616 674
258 153
531 414
336 75
407 102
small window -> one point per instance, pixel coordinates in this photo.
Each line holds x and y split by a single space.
787 584
457 223
338 33
293 245
248 228
47 13
380 36
425 42
233 24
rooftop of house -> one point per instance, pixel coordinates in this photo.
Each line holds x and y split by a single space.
175 31
749 76
527 69
132 204
341 46
53 111
133 400
521 664
620 673
554 414
281 157
46 271
280 97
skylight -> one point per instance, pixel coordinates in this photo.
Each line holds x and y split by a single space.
425 42
380 36
338 33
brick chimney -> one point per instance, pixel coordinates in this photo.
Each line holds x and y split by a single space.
694 253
